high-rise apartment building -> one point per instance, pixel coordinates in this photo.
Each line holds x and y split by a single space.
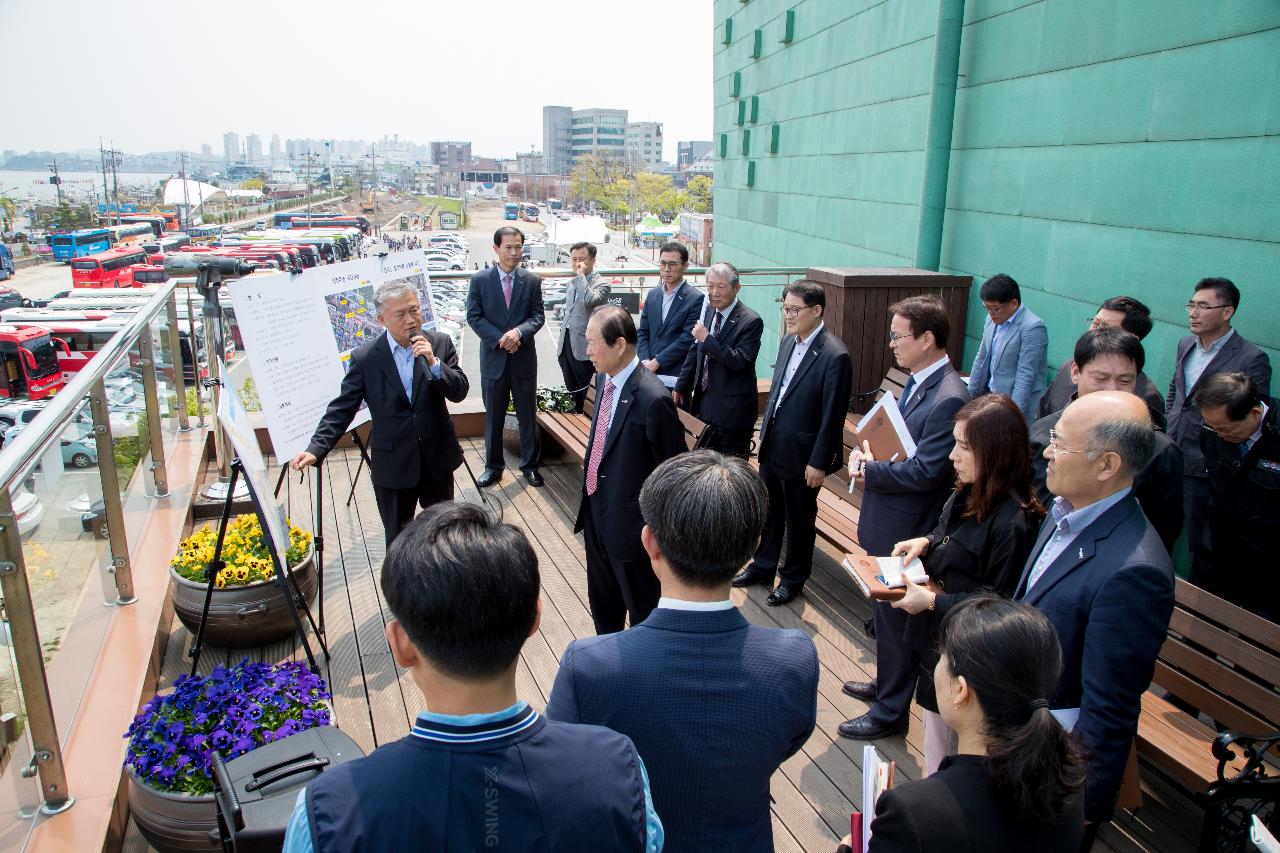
231 147
451 155
253 149
276 151
644 142
556 122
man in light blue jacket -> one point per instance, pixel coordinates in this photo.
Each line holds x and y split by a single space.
1011 358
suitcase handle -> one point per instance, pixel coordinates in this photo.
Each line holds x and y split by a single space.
226 792
312 763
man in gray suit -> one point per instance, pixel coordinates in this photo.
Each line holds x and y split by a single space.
504 309
1011 357
1212 347
586 292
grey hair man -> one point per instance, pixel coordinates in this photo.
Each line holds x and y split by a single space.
717 381
405 376
694 681
1103 577
586 292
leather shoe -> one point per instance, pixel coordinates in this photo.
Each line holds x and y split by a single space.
784 594
489 478
865 728
533 478
864 690
751 576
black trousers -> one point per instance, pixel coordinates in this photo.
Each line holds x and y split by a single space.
793 509
896 673
1195 506
577 375
732 442
616 589
496 392
398 506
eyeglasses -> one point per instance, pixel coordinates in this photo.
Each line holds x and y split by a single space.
1197 307
794 310
1057 445
894 337
666 265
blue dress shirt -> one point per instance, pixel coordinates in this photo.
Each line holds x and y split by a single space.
403 357
1068 523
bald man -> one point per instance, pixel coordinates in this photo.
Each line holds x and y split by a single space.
1103 577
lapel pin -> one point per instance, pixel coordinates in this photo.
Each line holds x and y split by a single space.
1082 553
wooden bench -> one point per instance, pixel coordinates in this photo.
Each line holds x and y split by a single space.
573 431
1223 660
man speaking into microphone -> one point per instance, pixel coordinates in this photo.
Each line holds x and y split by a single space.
405 376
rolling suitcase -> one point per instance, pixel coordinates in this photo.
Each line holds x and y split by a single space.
255 793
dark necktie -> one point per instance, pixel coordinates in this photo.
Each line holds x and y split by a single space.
706 362
906 392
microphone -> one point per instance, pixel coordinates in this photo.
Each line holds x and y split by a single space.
421 359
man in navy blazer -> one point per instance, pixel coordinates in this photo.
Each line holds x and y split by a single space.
718 379
713 704
801 440
1011 357
504 308
902 499
634 429
668 315
1212 347
1103 577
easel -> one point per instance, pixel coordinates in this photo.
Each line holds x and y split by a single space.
317 538
293 597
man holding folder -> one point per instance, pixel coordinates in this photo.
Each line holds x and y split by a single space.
902 498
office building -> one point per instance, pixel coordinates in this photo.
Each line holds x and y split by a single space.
688 152
644 143
451 155
568 134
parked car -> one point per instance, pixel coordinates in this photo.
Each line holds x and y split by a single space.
27 508
10 298
78 453
94 520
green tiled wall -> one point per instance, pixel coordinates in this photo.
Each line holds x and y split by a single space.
1100 147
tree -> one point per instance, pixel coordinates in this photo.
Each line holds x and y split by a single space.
8 214
254 184
651 191
515 189
700 194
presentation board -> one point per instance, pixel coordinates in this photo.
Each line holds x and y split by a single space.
299 331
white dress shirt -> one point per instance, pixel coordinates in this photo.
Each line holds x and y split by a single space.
921 375
698 606
797 356
618 381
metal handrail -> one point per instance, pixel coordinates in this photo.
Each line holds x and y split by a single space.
556 272
23 453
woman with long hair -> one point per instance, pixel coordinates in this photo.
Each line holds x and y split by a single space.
985 532
1015 783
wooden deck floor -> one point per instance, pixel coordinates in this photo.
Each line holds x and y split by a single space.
813 791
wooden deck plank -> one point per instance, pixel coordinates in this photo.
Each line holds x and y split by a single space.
374 701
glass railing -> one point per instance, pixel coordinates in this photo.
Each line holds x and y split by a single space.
78 476
761 290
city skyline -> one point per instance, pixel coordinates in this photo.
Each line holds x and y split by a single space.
441 92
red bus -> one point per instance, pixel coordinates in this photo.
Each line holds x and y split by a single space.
107 269
29 363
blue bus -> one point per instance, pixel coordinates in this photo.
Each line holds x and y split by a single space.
511 211
87 241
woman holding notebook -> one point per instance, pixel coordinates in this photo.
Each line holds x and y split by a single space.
1016 781
987 528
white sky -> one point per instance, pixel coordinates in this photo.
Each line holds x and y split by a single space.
478 70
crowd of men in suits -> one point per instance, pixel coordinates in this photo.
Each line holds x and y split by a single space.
667 533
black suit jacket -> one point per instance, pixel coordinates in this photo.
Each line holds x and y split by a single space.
956 810
807 428
402 434
1158 486
644 433
1062 391
1184 415
730 399
668 342
1109 595
490 318
902 500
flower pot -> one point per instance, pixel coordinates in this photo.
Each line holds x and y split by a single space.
172 822
243 616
